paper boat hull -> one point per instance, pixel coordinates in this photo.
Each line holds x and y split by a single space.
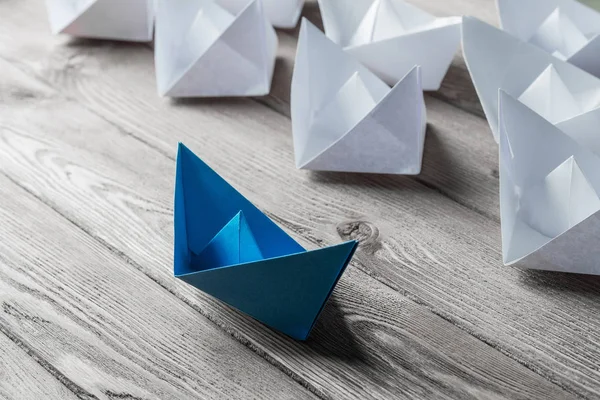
575 251
286 293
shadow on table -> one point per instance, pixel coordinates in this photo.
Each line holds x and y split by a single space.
562 283
332 337
93 43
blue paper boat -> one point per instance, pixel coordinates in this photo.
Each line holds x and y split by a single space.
228 248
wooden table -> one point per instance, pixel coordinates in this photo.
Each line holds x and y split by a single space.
89 307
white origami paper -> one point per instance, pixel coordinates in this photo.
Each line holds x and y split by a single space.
566 29
281 13
344 118
210 48
545 114
549 186
390 37
130 20
558 91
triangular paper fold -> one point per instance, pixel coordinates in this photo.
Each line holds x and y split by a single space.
548 188
584 129
345 119
566 29
229 249
208 48
498 60
234 244
281 13
131 20
390 37
559 36
550 97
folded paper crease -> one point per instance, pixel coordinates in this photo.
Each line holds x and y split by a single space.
344 118
281 13
554 88
210 48
390 37
565 29
131 20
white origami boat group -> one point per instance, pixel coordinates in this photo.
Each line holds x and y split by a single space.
357 92
390 37
342 121
545 113
132 20
566 29
345 117
203 48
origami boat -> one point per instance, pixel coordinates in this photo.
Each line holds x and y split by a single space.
131 20
549 186
211 48
390 37
344 118
228 248
545 114
560 92
566 29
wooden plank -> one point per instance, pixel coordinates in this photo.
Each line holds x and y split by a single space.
21 377
371 342
108 330
415 240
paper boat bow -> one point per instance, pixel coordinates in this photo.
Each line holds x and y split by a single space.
131 20
549 186
227 248
344 118
209 48
566 29
392 36
560 92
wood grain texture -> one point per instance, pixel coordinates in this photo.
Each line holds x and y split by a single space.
22 378
104 329
370 343
415 240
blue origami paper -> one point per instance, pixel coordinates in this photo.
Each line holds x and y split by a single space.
228 248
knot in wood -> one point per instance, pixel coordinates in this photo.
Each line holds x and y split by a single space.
362 231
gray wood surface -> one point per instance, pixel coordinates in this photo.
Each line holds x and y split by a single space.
105 330
21 377
100 184
425 310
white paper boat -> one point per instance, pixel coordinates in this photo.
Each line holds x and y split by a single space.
206 48
130 20
344 118
566 29
392 36
560 92
281 13
549 186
